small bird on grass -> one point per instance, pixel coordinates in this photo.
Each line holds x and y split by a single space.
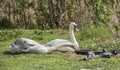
114 51
105 54
90 54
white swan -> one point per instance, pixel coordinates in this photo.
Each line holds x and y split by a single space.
61 41
28 45
24 45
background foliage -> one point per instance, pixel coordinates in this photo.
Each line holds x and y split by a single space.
46 14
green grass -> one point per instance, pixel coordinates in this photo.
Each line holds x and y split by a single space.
57 60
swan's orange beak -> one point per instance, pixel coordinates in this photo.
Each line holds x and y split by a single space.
76 29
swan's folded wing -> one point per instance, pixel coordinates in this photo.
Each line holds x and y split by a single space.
25 43
30 43
56 41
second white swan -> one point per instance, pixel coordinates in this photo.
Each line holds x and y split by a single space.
72 26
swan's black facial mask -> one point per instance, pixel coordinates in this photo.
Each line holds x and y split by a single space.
75 27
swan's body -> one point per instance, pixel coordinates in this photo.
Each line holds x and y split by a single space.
28 45
61 41
56 41
24 45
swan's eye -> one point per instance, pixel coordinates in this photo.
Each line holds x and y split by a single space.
24 41
75 26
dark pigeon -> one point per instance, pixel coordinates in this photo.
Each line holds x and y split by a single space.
105 54
114 51
90 54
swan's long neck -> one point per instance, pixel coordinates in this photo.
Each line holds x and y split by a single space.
72 36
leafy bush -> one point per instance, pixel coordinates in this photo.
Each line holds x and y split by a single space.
6 24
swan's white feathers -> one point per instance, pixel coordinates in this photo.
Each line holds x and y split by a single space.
56 41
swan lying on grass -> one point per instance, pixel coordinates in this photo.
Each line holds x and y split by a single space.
24 45
55 42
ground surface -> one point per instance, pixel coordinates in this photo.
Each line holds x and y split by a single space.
55 60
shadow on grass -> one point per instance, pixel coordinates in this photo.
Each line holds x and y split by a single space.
9 53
